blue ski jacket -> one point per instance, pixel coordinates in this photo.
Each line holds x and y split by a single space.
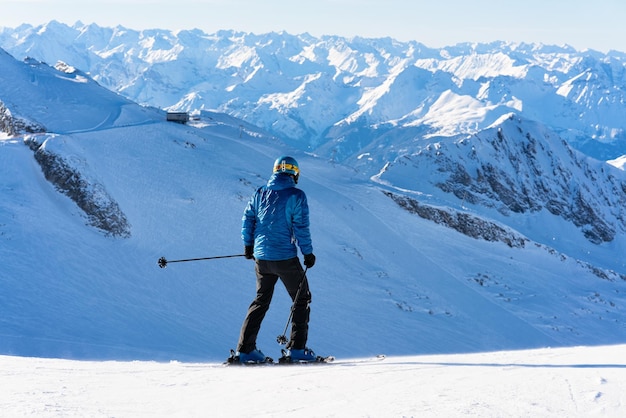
276 219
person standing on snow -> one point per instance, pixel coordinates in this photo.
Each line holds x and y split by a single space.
275 224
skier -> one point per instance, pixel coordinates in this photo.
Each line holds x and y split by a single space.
275 222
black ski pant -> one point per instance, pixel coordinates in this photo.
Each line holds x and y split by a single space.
290 272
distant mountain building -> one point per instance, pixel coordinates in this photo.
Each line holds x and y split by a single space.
180 117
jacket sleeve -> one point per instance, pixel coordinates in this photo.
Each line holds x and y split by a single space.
300 223
249 221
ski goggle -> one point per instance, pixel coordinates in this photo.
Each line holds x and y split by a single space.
285 167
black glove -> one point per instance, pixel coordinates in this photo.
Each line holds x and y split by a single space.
309 260
249 252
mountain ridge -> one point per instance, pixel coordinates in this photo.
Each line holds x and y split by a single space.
299 87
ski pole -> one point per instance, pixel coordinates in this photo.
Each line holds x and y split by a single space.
282 339
163 262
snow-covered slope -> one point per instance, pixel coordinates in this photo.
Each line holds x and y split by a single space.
572 382
387 280
334 95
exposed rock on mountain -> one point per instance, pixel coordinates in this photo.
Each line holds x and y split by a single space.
472 226
13 126
519 167
91 196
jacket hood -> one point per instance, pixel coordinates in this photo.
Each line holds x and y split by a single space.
280 181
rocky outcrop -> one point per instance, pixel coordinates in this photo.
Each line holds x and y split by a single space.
472 226
13 126
519 167
101 209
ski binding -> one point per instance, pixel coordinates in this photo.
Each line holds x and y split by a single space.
286 359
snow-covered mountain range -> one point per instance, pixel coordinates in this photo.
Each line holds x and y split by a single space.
337 96
455 203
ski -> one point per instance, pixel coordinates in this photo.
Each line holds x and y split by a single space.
348 362
285 359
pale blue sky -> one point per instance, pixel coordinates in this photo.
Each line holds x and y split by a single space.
582 24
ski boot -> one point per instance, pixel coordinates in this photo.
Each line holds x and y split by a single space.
305 355
255 356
